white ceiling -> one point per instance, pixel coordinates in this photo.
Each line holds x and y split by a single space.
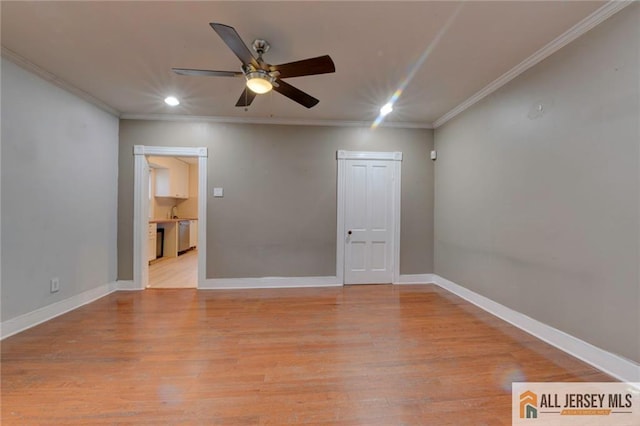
122 53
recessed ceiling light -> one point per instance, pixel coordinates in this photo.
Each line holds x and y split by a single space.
171 100
386 109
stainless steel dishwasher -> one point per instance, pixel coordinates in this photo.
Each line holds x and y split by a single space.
183 235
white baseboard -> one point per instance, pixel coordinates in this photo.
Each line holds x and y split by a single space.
127 286
291 282
33 318
612 364
269 282
416 279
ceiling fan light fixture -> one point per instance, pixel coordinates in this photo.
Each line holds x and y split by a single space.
260 76
259 82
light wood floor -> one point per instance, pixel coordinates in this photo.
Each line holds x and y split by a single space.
355 355
175 272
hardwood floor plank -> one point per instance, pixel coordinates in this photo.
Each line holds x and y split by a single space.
352 355
175 272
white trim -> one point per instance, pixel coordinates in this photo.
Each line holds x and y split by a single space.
397 193
54 79
140 208
340 237
270 282
127 285
368 155
343 155
170 151
612 364
31 319
597 17
140 215
416 279
202 217
275 121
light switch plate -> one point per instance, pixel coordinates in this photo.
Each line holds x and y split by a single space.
218 192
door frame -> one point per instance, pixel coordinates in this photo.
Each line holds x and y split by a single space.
141 208
396 158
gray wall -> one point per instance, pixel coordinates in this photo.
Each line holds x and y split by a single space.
278 214
59 177
540 211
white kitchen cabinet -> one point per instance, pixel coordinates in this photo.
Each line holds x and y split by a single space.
151 241
172 178
193 233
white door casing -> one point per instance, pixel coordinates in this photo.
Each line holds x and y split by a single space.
141 207
368 234
368 220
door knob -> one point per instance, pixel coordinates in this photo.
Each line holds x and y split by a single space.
349 232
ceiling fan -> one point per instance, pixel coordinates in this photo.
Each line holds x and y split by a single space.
262 77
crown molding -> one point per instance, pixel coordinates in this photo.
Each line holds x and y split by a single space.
597 17
603 13
275 121
54 79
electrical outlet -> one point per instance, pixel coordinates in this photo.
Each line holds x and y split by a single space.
55 285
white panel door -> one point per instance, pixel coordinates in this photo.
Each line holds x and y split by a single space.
369 222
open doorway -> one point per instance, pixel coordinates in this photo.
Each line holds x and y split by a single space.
169 217
172 242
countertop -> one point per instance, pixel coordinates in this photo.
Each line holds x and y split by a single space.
180 219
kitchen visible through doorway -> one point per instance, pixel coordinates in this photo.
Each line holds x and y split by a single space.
173 222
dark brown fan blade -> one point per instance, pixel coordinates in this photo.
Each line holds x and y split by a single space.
232 39
295 94
312 66
246 98
210 73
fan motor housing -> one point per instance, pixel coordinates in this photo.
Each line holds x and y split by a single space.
260 46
